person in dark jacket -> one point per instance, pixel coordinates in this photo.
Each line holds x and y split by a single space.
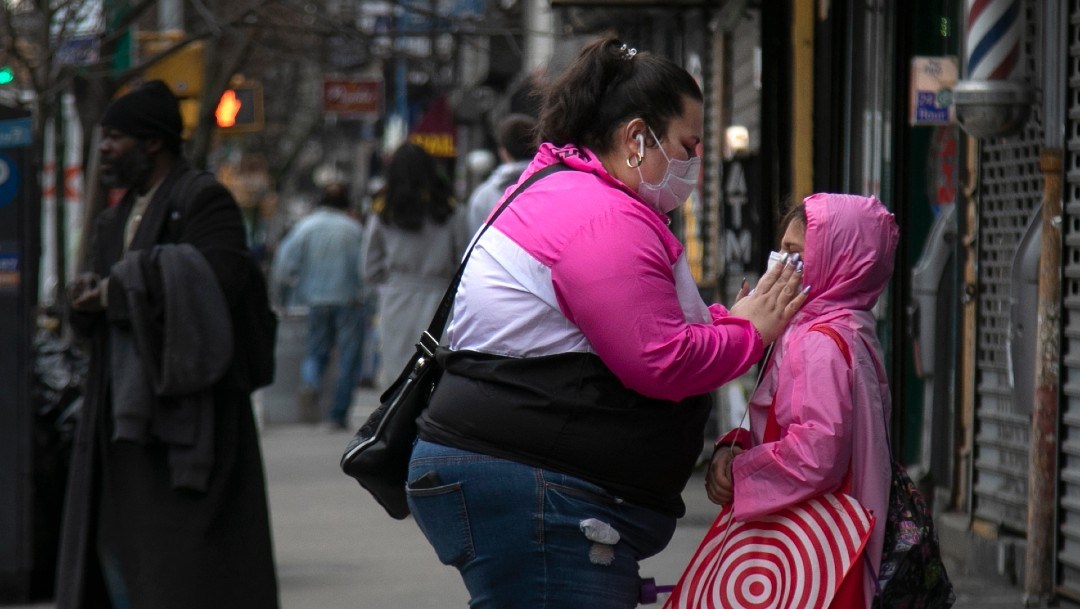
166 504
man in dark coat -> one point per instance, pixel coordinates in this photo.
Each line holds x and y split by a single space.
142 530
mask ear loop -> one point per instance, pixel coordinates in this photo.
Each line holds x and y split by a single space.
634 160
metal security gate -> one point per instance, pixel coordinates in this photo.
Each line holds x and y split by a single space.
1010 188
1068 546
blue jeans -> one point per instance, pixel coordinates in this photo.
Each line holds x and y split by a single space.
516 534
330 325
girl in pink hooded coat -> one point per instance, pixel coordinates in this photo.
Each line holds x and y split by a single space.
832 413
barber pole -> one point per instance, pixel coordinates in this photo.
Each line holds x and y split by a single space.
992 38
993 100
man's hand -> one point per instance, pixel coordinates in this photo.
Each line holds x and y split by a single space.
775 299
718 483
85 292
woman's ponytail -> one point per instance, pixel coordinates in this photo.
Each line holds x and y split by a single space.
572 103
608 84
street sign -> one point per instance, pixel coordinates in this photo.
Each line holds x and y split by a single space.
932 82
436 131
78 50
353 98
345 52
9 268
16 133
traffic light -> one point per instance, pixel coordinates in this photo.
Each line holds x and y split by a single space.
228 107
7 75
240 109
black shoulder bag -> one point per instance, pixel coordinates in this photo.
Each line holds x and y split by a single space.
378 455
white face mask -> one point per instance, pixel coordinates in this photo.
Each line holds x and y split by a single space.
774 259
678 182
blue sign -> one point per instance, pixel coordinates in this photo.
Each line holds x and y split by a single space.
928 110
10 273
16 133
78 50
10 180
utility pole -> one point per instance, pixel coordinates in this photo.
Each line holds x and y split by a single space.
1039 571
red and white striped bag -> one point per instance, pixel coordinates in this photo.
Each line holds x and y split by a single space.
793 558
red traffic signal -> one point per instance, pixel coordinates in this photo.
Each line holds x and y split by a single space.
240 109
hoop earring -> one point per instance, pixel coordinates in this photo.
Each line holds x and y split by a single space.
630 160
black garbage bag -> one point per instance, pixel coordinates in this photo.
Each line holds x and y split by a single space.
59 370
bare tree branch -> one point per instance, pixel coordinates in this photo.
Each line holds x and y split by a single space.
213 32
115 30
207 15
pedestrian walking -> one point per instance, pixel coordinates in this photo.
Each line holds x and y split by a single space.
413 244
575 392
515 137
166 504
320 260
819 420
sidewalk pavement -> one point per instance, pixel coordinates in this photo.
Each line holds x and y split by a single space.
337 549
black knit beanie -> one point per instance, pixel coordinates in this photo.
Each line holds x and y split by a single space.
149 111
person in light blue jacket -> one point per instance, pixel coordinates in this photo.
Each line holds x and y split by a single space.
319 260
516 137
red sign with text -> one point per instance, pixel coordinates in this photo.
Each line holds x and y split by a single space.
352 98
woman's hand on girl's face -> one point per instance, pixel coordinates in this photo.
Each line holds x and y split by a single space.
775 300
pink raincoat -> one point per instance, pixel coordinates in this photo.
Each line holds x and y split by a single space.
832 414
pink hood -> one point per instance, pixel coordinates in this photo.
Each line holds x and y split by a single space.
850 248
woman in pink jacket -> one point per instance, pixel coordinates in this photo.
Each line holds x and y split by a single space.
832 414
575 391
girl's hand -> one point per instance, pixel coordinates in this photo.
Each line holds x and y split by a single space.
719 484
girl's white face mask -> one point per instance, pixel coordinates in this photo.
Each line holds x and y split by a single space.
775 258
678 182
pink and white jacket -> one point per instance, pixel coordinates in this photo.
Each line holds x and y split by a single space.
580 263
832 414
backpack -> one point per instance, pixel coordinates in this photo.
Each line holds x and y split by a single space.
256 323
912 574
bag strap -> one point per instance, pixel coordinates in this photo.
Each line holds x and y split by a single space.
833 334
772 428
430 339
